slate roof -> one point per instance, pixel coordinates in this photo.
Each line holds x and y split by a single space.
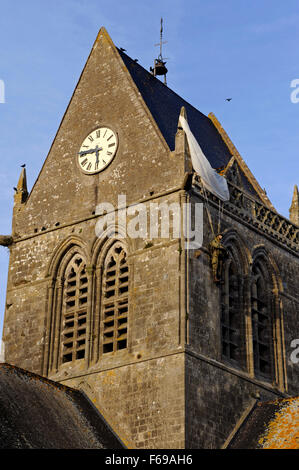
165 106
270 425
38 413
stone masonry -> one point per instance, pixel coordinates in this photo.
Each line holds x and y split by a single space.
170 386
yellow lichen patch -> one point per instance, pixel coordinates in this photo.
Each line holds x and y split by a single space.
283 431
109 377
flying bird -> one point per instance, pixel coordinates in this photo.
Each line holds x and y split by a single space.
23 166
228 99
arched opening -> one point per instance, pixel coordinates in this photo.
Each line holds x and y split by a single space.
232 313
114 300
262 321
74 311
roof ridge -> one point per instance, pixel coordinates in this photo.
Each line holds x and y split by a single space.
235 153
159 81
60 386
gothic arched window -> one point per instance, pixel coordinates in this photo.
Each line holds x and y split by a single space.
115 290
261 316
231 313
74 311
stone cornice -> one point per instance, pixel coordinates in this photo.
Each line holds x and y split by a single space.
257 216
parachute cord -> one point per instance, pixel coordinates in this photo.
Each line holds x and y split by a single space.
220 212
208 211
221 215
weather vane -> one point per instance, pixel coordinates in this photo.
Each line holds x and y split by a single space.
159 64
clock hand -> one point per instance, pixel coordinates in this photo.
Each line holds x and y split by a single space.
84 152
97 154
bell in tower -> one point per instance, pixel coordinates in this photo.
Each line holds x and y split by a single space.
160 63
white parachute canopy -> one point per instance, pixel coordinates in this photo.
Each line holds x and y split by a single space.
213 182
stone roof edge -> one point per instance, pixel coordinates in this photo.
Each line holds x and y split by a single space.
103 32
256 403
115 50
240 423
278 401
64 114
6 365
234 152
144 105
110 423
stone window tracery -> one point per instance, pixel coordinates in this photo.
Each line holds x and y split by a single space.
115 289
261 317
231 313
74 311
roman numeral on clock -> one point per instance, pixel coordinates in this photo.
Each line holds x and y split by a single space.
100 144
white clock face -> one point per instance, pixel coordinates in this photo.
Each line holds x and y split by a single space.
97 150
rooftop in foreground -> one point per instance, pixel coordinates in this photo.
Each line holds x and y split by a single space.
38 413
270 425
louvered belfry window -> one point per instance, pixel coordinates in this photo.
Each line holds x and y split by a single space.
74 310
114 323
230 314
261 323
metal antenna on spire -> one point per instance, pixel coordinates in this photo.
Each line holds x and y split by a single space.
159 64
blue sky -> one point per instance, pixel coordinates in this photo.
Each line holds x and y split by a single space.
216 49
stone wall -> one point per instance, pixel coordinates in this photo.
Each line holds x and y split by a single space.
217 391
143 401
170 386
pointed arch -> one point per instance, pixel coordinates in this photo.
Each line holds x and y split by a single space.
238 248
266 321
261 253
111 313
67 246
233 300
101 244
74 314
69 305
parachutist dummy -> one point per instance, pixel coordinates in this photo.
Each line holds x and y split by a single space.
218 253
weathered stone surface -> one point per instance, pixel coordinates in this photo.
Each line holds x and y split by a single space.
170 387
